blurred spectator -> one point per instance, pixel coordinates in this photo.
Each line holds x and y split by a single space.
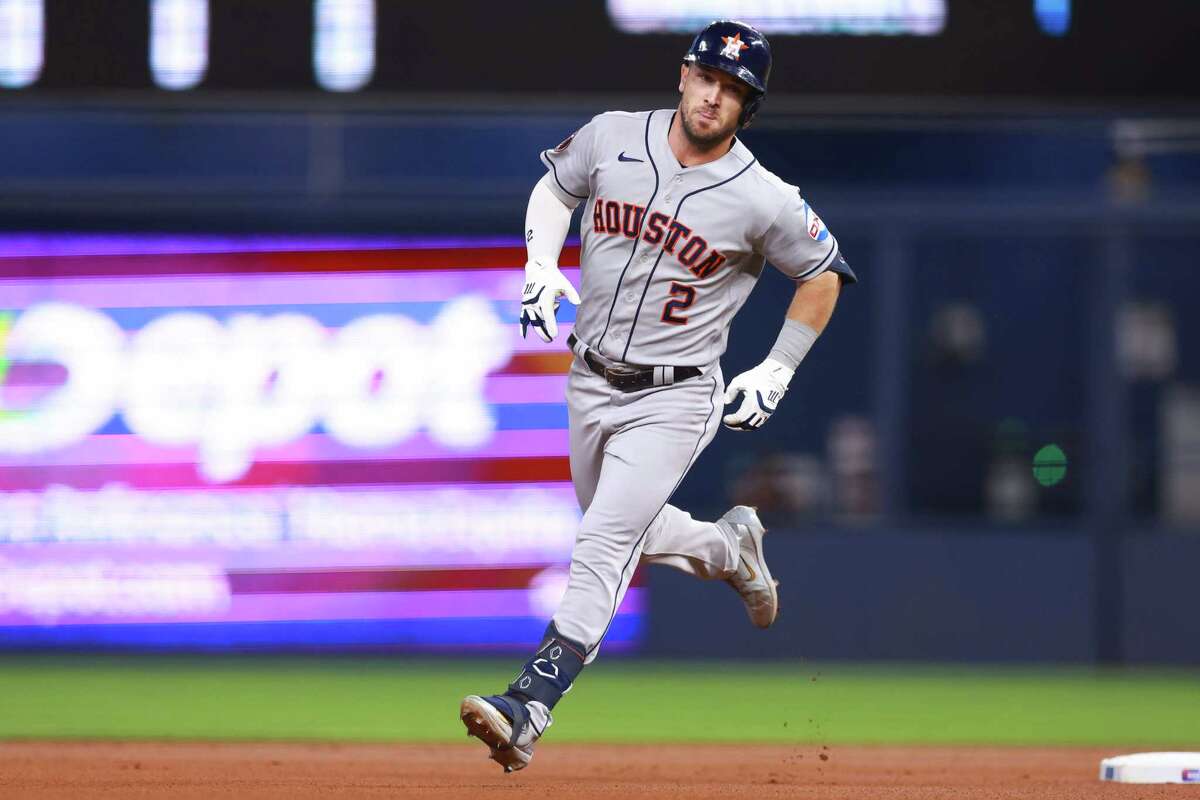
1180 465
789 486
1146 342
1011 495
1009 491
852 462
957 335
793 487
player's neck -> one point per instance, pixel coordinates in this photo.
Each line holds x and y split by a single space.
687 152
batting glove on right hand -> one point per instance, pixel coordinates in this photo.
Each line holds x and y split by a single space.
544 284
761 389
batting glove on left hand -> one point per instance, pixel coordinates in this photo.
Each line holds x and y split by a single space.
761 389
544 284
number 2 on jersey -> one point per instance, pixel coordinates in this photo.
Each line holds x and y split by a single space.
683 296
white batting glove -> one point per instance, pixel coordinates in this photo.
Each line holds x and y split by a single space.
761 389
544 284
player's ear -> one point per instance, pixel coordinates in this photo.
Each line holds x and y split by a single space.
683 71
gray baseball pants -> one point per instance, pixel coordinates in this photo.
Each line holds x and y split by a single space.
629 452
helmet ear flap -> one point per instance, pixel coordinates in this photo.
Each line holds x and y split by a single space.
749 109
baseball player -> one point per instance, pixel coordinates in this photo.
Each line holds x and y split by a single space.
679 219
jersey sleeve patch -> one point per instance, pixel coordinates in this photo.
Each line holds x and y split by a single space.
813 224
798 243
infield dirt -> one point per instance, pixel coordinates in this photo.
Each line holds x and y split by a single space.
184 770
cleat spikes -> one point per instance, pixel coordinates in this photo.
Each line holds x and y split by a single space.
486 722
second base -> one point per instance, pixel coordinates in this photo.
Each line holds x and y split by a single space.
1152 768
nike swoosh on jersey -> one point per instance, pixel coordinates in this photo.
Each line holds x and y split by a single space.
624 157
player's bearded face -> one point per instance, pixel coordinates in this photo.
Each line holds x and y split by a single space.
711 104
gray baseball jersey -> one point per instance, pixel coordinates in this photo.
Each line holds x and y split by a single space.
670 253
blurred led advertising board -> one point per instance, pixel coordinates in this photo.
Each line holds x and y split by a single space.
888 17
172 51
255 443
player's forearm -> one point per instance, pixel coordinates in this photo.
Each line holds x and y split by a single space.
547 221
810 310
814 301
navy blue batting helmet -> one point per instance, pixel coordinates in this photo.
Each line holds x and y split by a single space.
741 51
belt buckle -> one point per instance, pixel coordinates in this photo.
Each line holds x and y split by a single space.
623 378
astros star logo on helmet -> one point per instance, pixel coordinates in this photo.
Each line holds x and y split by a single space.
733 46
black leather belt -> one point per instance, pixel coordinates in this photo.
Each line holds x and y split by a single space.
629 377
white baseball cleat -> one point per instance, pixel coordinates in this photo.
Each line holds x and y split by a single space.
752 580
491 720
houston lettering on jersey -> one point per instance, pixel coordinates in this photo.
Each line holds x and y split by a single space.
616 218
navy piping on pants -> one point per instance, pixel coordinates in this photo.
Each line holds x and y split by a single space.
712 401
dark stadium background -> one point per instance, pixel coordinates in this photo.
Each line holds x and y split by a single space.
1023 211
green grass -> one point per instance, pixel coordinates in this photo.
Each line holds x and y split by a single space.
380 699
